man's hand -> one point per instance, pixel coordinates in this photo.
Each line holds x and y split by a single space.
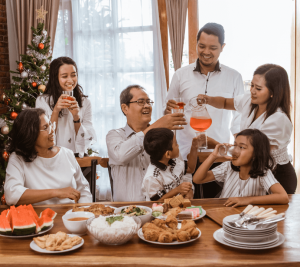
184 188
171 104
237 201
170 121
68 192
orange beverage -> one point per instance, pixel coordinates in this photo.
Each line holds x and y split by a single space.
200 123
70 98
181 105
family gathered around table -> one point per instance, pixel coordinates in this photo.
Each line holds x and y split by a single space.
159 161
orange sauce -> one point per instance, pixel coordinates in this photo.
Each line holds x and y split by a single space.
78 219
200 124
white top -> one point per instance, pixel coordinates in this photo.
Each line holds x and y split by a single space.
158 181
128 162
277 127
187 83
65 133
236 187
45 173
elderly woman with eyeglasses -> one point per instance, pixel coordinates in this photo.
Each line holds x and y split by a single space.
38 172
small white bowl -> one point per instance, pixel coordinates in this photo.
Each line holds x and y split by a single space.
144 218
77 227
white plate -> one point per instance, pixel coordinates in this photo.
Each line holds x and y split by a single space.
201 216
267 241
25 236
141 236
219 236
70 211
36 248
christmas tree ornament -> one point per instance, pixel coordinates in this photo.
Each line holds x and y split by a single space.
13 115
5 129
16 95
17 104
5 155
34 84
3 96
41 46
20 67
24 106
42 88
6 101
24 75
43 67
41 13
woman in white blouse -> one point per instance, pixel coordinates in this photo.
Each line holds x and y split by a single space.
267 107
39 172
73 118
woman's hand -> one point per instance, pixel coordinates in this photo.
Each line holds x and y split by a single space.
61 103
184 188
74 109
237 201
68 192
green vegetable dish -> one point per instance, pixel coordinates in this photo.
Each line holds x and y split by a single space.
134 211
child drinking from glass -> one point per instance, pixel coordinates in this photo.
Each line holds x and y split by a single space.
248 176
167 175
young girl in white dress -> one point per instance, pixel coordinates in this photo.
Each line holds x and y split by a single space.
248 176
267 107
73 117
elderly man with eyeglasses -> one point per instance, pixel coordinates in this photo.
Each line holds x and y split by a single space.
127 158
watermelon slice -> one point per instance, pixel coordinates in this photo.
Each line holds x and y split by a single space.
4 212
45 222
29 207
22 223
48 212
5 228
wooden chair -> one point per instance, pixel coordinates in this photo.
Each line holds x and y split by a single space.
92 162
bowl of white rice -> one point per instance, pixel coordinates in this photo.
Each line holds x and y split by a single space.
109 231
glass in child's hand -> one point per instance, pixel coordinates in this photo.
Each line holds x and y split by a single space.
229 151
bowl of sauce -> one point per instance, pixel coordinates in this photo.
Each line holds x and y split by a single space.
75 222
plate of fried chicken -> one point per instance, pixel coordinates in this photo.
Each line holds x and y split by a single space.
169 231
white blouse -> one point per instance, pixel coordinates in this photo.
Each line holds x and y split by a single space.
236 187
277 127
159 182
65 133
45 173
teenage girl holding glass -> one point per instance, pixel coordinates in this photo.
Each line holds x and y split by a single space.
267 107
73 115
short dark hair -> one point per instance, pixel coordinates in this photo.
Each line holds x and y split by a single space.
157 142
126 96
214 29
262 160
53 88
277 81
24 133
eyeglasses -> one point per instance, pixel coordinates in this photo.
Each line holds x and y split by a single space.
141 102
50 127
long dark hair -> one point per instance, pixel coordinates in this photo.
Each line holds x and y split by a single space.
24 133
53 87
277 82
262 160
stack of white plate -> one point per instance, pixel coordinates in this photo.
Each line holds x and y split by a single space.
263 237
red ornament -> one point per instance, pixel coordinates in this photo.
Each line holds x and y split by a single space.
34 84
41 46
6 102
5 155
3 202
20 67
13 115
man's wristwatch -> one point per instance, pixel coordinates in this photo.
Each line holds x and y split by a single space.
77 121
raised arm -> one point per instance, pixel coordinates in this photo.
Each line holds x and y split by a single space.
218 102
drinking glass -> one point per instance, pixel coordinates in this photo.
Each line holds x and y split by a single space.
69 95
180 103
200 120
229 151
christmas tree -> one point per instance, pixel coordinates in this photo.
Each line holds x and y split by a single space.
30 81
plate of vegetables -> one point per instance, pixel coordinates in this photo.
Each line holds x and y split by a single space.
143 212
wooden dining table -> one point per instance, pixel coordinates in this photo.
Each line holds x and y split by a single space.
204 251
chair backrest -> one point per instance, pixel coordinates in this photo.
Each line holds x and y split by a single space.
111 181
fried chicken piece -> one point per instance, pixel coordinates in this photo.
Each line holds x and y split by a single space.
172 222
183 236
186 224
160 223
76 208
151 226
151 234
174 211
165 237
194 232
